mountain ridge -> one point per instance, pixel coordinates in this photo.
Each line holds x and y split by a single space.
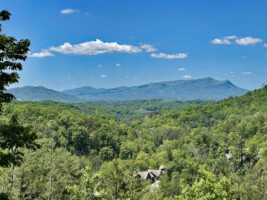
38 93
171 90
203 89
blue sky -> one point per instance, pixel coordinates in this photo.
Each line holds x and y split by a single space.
115 43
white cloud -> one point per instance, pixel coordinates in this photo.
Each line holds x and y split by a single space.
265 45
117 65
169 56
181 69
99 65
95 48
224 40
230 37
244 57
234 39
248 41
246 73
68 11
103 76
42 54
187 76
148 47
220 41
230 74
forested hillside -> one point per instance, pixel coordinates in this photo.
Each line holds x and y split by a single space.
214 151
121 110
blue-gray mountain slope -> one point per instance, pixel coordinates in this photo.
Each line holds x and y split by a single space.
206 88
31 93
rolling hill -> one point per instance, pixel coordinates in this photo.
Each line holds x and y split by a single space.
206 88
30 93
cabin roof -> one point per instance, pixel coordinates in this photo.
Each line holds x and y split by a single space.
157 173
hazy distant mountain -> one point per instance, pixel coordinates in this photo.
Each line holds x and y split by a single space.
30 93
206 88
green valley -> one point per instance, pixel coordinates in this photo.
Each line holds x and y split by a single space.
192 143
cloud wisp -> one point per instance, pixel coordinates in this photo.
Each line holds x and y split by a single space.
169 56
95 48
227 40
246 73
148 47
181 69
117 64
69 11
103 76
224 40
187 76
42 54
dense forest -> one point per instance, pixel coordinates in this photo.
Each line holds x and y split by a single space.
214 151
121 110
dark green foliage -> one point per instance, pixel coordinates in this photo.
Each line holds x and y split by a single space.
13 137
11 50
4 196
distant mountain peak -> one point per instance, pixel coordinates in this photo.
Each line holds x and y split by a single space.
204 88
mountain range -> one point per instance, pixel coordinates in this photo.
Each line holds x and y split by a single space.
205 89
39 93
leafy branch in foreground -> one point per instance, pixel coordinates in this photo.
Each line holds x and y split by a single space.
13 136
11 50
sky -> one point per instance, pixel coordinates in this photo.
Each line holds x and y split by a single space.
106 44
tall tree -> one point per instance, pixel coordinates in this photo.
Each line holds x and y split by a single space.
11 51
